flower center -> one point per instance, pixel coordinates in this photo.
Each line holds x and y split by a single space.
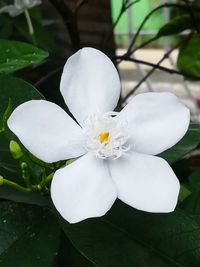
106 136
103 137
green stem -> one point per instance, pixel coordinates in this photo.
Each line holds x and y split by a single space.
30 188
30 26
16 186
33 175
25 174
47 180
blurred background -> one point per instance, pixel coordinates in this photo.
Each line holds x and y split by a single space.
132 33
132 72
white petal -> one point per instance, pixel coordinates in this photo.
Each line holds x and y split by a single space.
89 83
31 3
156 121
47 131
83 189
145 182
11 10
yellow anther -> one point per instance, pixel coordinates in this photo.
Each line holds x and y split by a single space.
103 137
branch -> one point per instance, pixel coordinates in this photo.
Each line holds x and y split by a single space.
125 5
165 56
168 70
144 44
79 4
165 5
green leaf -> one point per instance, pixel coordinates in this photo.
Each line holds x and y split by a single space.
127 237
188 143
69 256
194 181
29 236
18 55
184 193
192 206
18 91
189 57
34 198
176 25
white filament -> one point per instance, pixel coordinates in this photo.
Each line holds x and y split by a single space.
116 144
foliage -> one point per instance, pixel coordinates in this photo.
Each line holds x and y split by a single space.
188 61
31 231
17 55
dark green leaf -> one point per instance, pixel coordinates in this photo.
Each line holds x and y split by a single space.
17 55
176 25
18 91
184 193
194 181
34 198
29 237
127 237
189 57
188 143
69 256
192 206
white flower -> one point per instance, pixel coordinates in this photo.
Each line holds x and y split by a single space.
19 6
117 149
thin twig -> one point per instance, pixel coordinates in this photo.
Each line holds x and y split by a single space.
165 56
144 44
165 5
79 4
125 5
47 76
134 60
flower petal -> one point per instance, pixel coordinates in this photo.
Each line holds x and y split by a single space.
22 4
89 83
32 3
11 10
156 121
47 131
83 189
145 182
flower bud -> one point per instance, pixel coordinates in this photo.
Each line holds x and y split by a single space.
1 180
15 150
24 167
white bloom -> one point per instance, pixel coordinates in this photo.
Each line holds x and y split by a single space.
117 149
19 6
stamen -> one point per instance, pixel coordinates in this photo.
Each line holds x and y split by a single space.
106 136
